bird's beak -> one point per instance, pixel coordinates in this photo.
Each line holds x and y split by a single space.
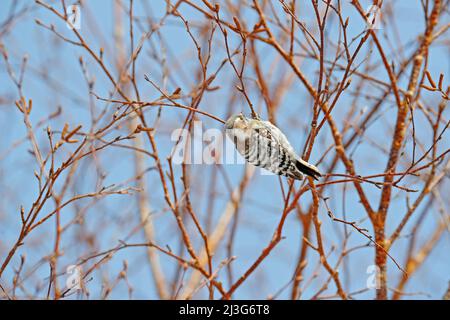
230 122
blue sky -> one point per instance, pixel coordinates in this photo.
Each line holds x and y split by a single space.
114 218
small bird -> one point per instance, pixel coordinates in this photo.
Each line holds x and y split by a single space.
264 145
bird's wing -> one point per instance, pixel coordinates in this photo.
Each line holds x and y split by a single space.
267 130
262 129
278 136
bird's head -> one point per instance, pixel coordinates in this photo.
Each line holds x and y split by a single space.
237 121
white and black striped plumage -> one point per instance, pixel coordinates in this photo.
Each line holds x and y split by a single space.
264 145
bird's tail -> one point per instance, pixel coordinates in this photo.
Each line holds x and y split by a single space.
308 169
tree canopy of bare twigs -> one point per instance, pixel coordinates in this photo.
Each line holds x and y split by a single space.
95 202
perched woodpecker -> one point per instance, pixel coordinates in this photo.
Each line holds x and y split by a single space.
264 145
